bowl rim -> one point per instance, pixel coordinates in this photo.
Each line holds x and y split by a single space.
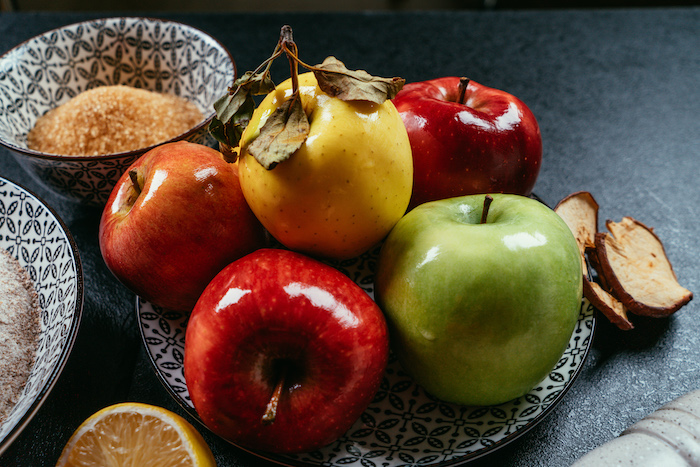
63 358
134 152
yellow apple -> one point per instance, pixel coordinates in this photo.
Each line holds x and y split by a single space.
347 185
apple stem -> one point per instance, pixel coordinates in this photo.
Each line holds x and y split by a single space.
271 410
134 176
290 47
485 211
463 83
230 154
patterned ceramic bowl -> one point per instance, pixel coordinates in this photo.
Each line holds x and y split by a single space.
31 232
51 68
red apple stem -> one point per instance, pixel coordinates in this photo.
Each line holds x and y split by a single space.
134 176
271 410
485 212
463 83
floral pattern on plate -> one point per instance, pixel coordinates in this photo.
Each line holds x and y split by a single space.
403 426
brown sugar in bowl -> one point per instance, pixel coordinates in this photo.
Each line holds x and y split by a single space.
112 119
55 67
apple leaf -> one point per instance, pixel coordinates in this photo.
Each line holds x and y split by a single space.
256 83
282 134
235 108
354 85
233 112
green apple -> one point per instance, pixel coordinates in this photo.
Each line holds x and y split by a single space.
480 311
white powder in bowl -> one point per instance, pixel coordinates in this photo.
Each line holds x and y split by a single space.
19 330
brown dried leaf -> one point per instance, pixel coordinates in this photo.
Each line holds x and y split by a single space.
256 83
354 85
634 263
611 307
283 133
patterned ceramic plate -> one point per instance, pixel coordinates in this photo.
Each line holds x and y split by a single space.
31 232
403 426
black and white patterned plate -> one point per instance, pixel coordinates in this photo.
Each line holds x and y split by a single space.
404 426
31 232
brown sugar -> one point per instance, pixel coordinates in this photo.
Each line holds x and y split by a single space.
19 331
112 119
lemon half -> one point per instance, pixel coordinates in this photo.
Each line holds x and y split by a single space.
135 434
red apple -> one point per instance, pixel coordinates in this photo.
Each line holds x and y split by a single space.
283 353
467 139
174 219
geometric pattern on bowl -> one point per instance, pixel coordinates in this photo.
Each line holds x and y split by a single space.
52 68
404 425
31 232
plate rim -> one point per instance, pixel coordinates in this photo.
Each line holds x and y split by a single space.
46 389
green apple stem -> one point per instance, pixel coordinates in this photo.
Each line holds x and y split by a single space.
485 211
134 176
463 83
271 410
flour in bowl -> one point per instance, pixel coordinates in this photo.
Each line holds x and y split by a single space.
19 330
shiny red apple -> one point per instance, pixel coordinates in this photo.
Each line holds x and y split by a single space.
283 353
174 219
468 138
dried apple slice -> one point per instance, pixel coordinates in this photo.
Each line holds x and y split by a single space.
611 307
634 263
579 211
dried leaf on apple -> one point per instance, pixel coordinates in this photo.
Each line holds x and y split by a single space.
256 83
354 85
637 270
233 113
283 133
234 109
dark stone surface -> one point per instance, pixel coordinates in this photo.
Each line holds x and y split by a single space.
615 93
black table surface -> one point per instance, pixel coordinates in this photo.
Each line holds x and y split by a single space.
616 95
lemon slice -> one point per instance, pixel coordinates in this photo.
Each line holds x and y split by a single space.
134 434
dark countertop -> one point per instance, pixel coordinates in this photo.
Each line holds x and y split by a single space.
615 93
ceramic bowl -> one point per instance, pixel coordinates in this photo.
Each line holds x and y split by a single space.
51 68
31 232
